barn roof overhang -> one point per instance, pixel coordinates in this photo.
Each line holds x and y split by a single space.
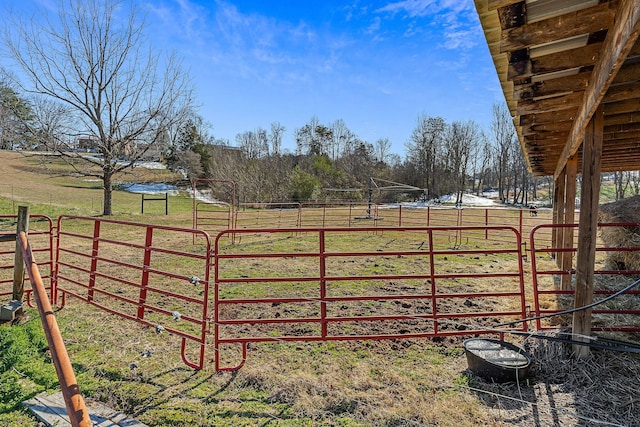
558 61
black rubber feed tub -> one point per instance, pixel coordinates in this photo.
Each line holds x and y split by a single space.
496 360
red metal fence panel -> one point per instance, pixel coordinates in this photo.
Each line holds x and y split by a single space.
213 219
41 241
155 275
610 276
268 215
317 284
325 283
214 204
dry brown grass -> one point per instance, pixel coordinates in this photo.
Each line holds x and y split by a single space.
390 383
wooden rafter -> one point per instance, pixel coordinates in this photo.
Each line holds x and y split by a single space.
495 4
550 87
545 85
619 42
589 20
553 62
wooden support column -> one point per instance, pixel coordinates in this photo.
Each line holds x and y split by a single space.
554 217
569 218
18 269
561 186
587 231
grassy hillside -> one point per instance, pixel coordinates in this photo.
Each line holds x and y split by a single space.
49 186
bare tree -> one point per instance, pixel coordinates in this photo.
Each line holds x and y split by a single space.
481 164
342 140
504 136
254 144
460 140
635 182
424 151
622 181
277 132
118 91
51 126
382 149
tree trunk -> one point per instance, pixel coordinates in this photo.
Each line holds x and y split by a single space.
108 190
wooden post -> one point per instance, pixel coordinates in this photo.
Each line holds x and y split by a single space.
18 266
561 186
554 216
569 218
587 231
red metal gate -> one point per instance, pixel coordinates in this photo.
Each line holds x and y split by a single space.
155 275
321 284
620 314
41 241
209 216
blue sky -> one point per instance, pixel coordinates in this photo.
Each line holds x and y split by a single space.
377 65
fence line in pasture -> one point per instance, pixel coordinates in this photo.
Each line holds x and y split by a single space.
313 284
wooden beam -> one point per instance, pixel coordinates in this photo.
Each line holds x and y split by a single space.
626 82
564 102
573 58
584 21
619 41
543 128
628 136
18 269
569 218
628 72
588 229
628 126
552 117
621 107
555 215
616 167
622 92
569 86
551 86
561 187
512 15
555 139
495 4
623 144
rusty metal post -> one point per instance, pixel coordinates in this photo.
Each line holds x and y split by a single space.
76 408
